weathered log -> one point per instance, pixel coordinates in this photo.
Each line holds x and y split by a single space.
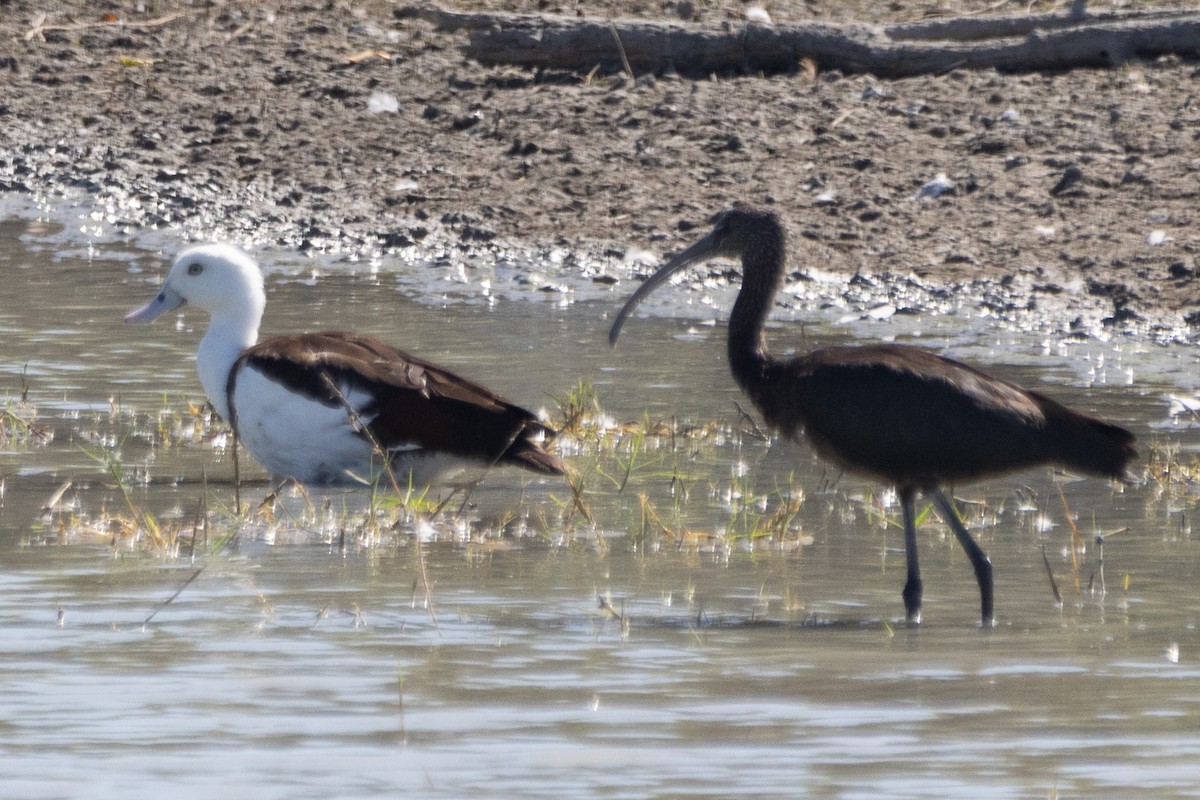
966 29
1016 44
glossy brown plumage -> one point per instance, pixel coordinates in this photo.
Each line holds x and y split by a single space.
912 418
900 414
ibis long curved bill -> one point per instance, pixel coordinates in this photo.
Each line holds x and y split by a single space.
706 248
911 418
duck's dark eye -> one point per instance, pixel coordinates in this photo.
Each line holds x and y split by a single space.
195 269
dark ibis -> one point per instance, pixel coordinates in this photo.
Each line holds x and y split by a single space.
322 407
899 414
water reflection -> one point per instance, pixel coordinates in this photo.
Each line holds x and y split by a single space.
302 665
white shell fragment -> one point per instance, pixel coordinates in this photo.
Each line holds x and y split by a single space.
758 15
382 103
935 188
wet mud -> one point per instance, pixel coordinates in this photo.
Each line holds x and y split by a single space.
1064 200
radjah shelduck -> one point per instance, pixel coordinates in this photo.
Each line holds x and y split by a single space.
899 414
320 407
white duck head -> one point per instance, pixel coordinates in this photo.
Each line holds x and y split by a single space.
227 283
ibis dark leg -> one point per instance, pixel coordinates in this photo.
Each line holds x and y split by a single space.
912 587
979 559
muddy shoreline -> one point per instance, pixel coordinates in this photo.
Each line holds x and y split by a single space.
1069 200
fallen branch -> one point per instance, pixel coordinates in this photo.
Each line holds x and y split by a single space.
1010 43
40 26
966 29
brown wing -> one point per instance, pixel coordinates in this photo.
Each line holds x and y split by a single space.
915 418
410 402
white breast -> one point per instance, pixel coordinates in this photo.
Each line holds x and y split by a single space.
293 435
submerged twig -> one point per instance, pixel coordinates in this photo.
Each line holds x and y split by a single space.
171 599
745 416
52 503
1058 598
1100 539
606 606
1076 539
199 521
619 616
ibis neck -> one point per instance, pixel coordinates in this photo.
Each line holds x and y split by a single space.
747 345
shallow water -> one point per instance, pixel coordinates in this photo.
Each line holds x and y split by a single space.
297 664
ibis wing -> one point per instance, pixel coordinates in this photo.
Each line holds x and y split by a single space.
914 418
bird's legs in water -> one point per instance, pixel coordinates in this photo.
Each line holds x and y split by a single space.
979 559
912 586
